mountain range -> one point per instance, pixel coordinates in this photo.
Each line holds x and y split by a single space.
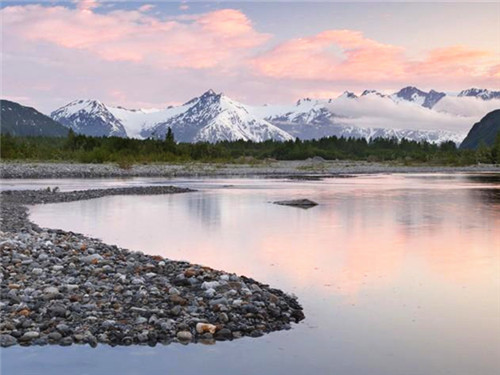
213 117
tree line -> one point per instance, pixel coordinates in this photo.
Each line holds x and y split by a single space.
127 151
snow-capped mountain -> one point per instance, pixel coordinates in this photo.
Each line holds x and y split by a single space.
480 93
89 117
415 95
215 117
409 113
373 93
314 119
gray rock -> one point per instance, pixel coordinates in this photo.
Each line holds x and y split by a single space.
184 336
30 335
7 340
92 258
223 334
301 203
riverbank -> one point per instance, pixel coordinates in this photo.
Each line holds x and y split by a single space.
265 169
62 288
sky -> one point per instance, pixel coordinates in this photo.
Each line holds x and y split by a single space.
158 53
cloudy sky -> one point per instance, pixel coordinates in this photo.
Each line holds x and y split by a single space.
156 53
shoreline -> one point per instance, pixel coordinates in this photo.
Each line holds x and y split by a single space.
64 288
21 170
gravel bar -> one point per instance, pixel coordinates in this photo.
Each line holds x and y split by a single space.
311 166
64 288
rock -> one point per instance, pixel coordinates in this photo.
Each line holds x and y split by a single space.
210 284
63 329
61 287
256 333
51 290
223 317
57 311
210 293
219 301
93 258
127 340
54 336
176 310
7 340
66 341
30 335
223 334
205 327
184 336
301 203
177 299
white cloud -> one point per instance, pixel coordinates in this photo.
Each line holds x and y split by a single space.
454 114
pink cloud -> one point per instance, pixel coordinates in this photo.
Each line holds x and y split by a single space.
452 61
346 55
137 58
203 41
332 55
146 7
86 4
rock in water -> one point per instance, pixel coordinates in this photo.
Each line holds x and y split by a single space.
302 203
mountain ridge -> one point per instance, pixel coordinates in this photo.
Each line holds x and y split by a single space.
213 117
485 131
19 120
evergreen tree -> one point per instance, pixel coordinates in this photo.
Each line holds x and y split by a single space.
170 141
169 137
495 152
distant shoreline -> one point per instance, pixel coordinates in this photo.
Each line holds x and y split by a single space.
311 167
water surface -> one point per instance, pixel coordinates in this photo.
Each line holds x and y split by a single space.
398 274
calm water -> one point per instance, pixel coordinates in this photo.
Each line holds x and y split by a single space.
397 274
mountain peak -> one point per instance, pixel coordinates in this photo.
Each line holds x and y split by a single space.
90 117
484 94
373 92
209 93
410 90
303 100
348 94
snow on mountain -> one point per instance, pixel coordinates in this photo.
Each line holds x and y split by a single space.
415 95
348 95
409 113
89 117
139 121
480 93
410 94
305 111
370 115
215 117
373 92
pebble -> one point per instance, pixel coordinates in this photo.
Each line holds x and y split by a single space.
184 336
205 327
63 288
